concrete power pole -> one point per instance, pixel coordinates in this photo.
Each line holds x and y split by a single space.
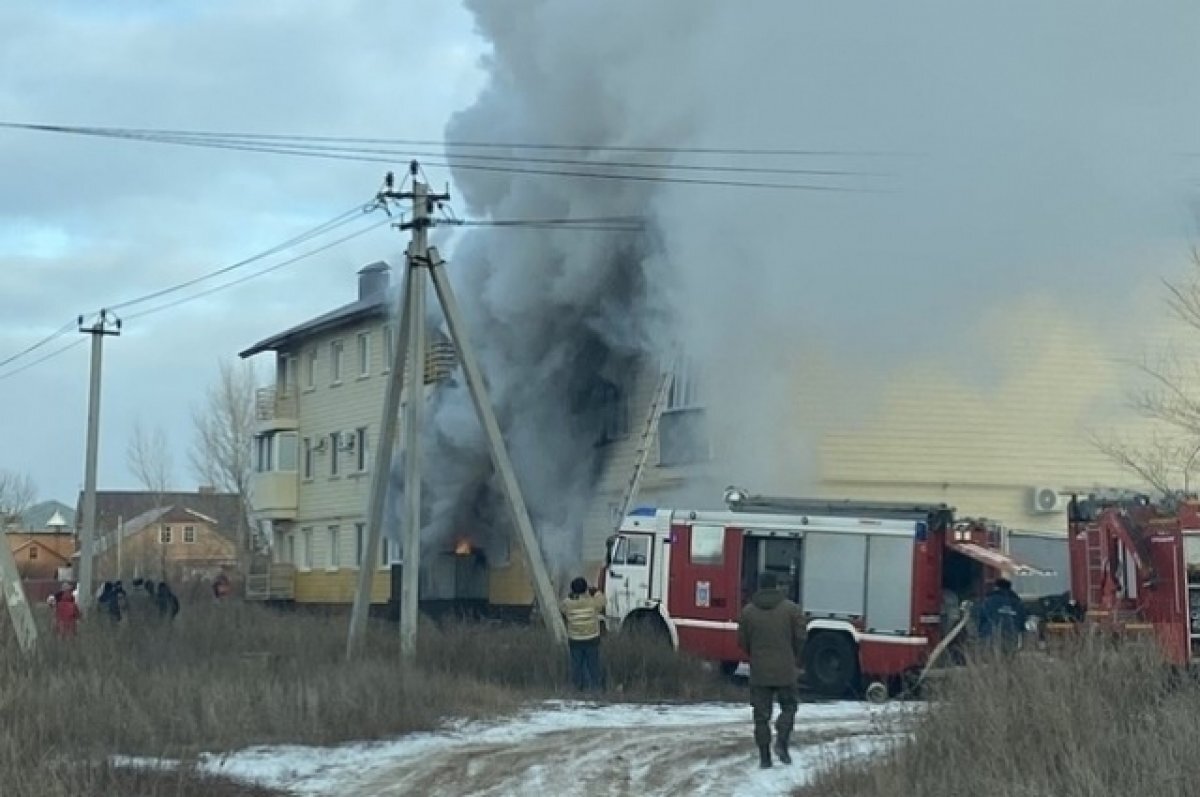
105 324
411 353
16 600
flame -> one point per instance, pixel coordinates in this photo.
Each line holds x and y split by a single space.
462 547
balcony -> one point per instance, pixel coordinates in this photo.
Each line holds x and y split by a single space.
274 409
275 494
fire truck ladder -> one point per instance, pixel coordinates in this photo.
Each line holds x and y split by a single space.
645 442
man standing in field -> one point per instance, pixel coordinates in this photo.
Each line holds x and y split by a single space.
771 632
582 610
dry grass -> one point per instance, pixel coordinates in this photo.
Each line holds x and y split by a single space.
1094 722
225 677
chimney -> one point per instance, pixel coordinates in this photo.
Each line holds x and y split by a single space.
373 280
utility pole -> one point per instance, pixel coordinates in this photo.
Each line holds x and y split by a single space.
105 324
421 259
381 475
15 599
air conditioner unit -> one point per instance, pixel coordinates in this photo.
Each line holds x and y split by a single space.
1045 500
320 446
348 441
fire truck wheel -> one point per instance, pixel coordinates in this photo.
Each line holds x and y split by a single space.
831 663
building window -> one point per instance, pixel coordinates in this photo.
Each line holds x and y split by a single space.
164 535
189 534
335 361
335 555
284 373
291 548
385 557
262 453
308 458
389 347
685 389
286 455
360 543
308 548
310 376
32 552
335 440
360 448
614 412
364 354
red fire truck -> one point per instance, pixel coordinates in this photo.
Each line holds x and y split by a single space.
1135 569
881 584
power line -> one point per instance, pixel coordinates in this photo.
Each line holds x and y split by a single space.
212 142
248 277
461 144
43 358
337 221
457 156
58 333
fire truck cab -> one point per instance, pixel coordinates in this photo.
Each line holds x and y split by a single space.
880 584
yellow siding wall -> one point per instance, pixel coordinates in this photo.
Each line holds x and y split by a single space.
338 586
510 585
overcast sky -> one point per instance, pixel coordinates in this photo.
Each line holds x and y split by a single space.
1045 158
87 222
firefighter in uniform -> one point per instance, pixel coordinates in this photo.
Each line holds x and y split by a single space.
771 632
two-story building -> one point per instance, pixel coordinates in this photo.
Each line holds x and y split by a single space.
317 428
181 537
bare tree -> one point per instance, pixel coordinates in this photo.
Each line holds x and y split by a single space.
17 493
224 435
1170 396
148 457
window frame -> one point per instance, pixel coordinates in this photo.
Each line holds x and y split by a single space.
306 534
364 355
335 555
165 534
360 543
308 459
707 558
360 450
189 531
337 361
310 377
335 439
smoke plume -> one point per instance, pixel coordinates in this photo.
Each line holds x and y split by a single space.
1000 151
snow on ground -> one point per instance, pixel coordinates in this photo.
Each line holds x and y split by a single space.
565 749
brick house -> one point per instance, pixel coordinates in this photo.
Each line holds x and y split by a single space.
178 536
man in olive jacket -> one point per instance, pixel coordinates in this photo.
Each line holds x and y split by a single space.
771 632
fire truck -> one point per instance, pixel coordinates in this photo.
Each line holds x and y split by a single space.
881 584
1135 570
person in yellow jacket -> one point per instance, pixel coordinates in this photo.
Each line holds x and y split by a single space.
583 611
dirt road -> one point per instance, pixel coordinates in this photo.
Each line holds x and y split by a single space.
566 749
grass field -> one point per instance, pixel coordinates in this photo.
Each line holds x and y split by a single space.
224 677
1094 721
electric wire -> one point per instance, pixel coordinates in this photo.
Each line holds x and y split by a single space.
213 142
55 335
461 144
43 358
336 222
256 274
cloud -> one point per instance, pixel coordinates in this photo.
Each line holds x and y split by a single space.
88 222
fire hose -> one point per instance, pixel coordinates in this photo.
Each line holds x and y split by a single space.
877 692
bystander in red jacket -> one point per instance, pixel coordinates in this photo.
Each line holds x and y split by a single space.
66 614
